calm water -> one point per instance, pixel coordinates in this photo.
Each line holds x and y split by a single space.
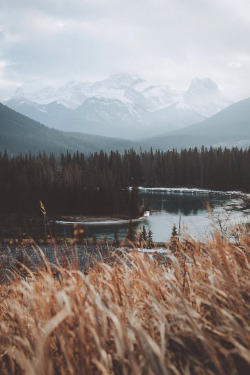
196 214
188 210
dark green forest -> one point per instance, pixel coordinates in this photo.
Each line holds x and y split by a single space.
99 183
20 134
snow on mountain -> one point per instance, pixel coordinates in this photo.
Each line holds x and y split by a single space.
71 94
19 102
160 96
204 97
120 100
74 93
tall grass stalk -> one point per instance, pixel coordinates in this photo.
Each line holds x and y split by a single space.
186 313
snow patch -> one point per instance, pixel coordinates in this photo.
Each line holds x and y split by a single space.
193 191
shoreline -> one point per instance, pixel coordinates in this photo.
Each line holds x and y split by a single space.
98 221
109 220
89 220
194 191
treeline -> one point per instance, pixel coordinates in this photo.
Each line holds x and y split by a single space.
98 184
208 168
72 185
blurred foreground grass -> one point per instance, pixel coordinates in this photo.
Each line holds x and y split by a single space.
184 313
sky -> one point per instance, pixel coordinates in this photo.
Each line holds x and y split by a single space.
50 42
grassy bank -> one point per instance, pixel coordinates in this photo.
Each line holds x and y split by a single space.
184 314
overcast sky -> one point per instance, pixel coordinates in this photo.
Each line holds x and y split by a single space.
50 42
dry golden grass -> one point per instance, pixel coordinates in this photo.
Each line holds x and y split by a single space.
188 314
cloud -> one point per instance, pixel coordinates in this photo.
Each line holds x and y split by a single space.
168 41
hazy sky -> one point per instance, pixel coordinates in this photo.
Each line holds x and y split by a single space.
44 42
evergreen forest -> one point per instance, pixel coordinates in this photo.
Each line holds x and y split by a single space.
106 183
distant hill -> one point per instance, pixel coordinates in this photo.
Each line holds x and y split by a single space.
229 127
20 134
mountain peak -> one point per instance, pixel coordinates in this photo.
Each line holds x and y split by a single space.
121 104
125 79
204 97
206 84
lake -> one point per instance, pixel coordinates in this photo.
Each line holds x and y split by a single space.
196 213
187 210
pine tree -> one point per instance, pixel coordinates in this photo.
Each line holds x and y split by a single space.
174 238
150 243
174 231
144 233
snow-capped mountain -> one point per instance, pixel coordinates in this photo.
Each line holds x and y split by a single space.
160 96
204 97
122 105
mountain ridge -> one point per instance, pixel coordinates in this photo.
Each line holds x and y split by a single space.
229 127
20 134
121 99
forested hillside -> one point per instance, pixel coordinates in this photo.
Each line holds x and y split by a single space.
99 183
20 134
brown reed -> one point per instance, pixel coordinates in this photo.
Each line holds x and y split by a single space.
186 313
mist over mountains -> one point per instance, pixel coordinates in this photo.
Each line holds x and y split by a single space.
229 127
122 112
21 135
120 106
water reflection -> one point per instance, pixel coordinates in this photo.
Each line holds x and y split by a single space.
166 209
181 204
184 203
